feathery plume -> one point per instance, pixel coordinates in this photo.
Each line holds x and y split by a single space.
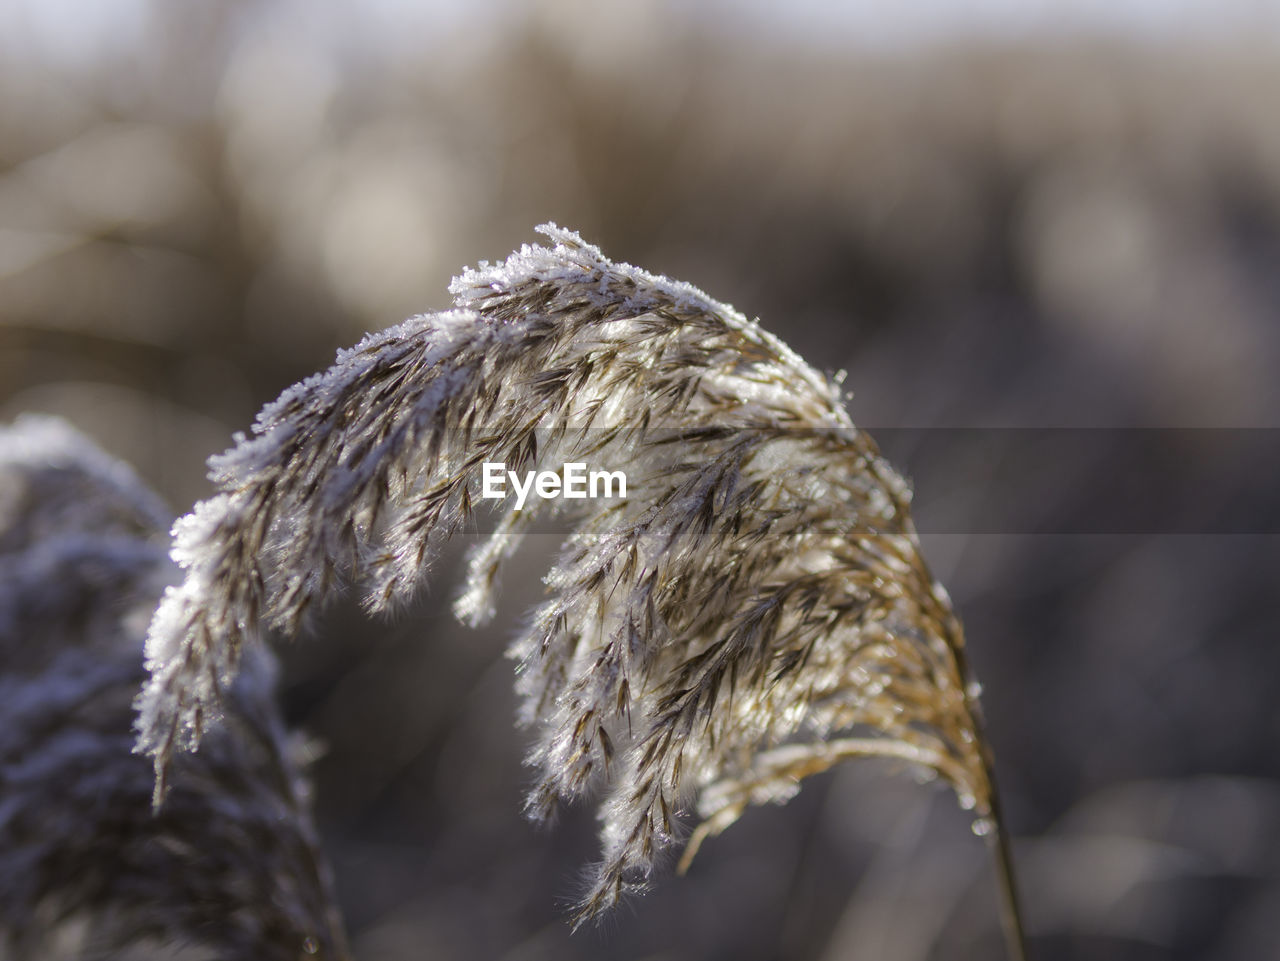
753 611
232 864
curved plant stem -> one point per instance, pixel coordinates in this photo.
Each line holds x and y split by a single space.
998 836
1006 879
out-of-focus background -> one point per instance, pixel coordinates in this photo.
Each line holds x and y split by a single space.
992 215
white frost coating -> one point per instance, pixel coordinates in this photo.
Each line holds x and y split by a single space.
650 291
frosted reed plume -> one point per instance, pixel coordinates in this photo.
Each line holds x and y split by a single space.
231 865
754 611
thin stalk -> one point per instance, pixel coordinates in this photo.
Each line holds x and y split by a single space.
998 836
1006 880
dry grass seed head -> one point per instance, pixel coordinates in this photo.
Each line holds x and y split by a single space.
755 610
